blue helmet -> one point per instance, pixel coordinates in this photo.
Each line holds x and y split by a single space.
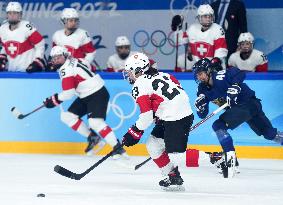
203 65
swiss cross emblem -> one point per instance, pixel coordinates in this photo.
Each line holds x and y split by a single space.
70 49
203 49
12 48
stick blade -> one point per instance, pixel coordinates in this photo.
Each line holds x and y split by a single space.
17 113
66 173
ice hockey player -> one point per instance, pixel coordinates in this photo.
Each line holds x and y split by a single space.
156 93
247 58
22 45
228 85
75 39
93 97
206 39
116 62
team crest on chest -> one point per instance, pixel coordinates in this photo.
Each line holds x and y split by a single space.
203 49
12 48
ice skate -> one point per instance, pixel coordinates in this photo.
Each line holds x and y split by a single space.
119 152
173 182
93 141
229 164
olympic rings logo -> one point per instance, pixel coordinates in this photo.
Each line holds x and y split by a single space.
157 40
118 111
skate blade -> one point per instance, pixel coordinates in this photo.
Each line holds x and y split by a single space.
231 172
97 148
174 188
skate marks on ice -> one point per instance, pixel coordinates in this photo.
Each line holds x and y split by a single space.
23 177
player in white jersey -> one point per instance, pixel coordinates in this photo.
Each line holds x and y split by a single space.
93 97
206 39
75 39
22 45
247 58
160 96
181 67
116 62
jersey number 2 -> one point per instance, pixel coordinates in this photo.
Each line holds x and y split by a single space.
164 88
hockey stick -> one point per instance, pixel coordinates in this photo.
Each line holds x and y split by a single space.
186 48
72 175
20 116
177 50
192 128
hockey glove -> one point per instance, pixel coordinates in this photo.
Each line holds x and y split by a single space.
201 103
36 66
132 137
177 22
232 94
52 101
3 61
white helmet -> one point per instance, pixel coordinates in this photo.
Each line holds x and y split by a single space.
246 37
135 64
69 13
122 41
205 9
14 6
59 50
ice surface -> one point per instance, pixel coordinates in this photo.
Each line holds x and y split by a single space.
22 177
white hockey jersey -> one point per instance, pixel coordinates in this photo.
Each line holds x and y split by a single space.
22 45
116 64
79 43
77 79
208 44
257 62
160 95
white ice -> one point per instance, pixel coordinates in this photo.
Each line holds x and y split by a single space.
22 177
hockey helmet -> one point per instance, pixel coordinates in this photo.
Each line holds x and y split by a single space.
122 41
203 65
205 10
246 37
14 6
136 64
59 50
69 13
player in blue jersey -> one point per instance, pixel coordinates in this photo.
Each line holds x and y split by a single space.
228 86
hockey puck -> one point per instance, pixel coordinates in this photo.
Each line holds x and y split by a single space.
41 195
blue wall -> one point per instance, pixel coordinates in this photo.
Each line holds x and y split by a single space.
27 91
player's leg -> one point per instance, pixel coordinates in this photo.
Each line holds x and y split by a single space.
96 108
72 118
176 138
261 125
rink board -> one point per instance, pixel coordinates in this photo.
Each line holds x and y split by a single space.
43 132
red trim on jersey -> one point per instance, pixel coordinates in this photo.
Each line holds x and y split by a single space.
162 160
78 79
68 83
155 101
174 80
192 156
81 51
77 125
105 131
262 68
220 43
35 37
110 70
54 44
144 103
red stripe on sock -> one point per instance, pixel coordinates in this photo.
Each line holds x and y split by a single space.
163 160
192 156
77 124
105 131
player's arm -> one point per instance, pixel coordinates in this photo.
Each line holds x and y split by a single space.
220 45
263 64
68 86
202 102
88 48
142 97
3 57
36 39
109 65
